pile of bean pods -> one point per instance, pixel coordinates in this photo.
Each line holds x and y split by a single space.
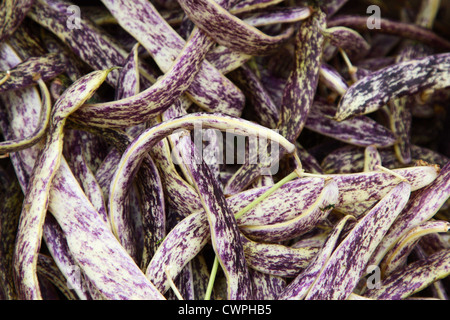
224 149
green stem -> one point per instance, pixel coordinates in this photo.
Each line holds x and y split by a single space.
212 277
272 189
250 206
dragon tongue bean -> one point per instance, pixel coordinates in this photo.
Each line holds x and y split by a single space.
230 149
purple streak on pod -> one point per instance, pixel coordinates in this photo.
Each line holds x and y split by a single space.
347 264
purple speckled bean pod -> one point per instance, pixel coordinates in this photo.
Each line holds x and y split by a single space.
290 200
47 268
276 259
329 51
350 159
357 209
235 205
400 123
210 149
428 155
12 13
226 60
297 98
265 112
251 5
180 246
192 234
347 264
74 208
22 106
274 85
332 79
209 88
149 192
405 30
230 31
112 272
151 219
133 156
276 15
360 131
75 157
128 82
374 185
186 26
132 172
243 177
372 159
432 243
178 109
350 41
176 189
200 275
330 7
26 73
57 245
373 64
25 44
413 278
314 239
36 199
266 286
184 283
179 191
299 287
18 144
142 144
405 78
397 256
309 163
437 289
92 45
303 222
106 170
302 83
225 236
155 99
95 150
423 205
151 199
400 109
73 66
